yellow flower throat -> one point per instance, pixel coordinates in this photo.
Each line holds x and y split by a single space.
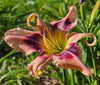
54 42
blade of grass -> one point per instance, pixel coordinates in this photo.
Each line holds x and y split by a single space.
9 54
96 29
64 77
3 66
12 72
72 77
83 25
94 63
82 12
94 14
60 77
68 77
18 80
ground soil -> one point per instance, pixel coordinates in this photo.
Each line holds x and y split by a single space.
48 81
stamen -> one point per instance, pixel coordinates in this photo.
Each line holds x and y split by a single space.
48 44
54 42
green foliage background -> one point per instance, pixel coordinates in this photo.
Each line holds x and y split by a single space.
14 13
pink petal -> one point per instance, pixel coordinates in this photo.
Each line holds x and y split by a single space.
40 23
18 31
69 22
38 64
23 40
77 36
71 58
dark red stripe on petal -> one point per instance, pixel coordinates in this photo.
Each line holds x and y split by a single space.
74 48
67 23
17 42
23 40
53 26
33 44
65 55
34 41
35 36
69 59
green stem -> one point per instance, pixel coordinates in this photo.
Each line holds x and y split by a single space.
72 77
94 64
64 77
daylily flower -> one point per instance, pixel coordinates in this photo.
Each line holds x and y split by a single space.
55 44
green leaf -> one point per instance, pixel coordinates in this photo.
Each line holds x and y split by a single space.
94 12
97 28
12 72
82 12
16 7
98 73
96 78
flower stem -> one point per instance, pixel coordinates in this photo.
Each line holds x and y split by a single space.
64 77
72 77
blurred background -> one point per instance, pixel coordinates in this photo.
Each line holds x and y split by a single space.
14 13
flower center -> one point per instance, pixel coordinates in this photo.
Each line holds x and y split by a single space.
54 42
